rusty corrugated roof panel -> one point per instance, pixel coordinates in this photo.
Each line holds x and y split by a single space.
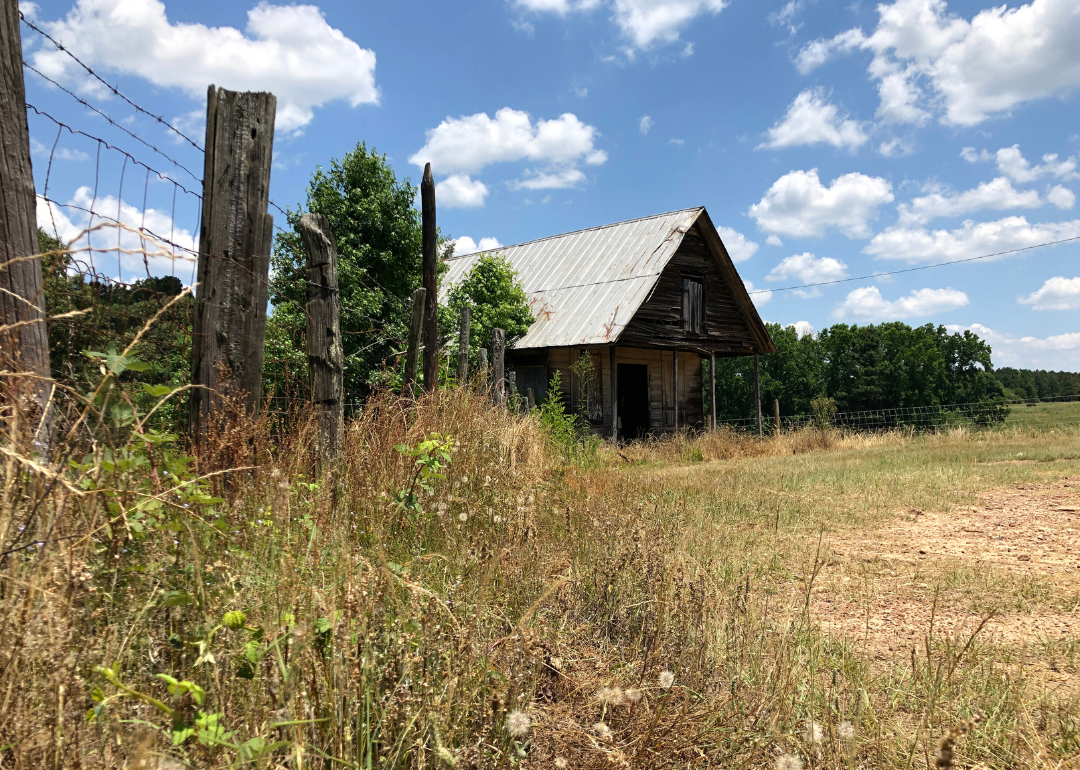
585 286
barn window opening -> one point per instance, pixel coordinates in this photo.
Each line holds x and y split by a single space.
693 305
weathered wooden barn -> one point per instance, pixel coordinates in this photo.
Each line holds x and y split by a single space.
646 301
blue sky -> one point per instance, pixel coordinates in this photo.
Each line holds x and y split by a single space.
828 139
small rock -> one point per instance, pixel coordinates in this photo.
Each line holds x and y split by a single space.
922 552
1023 557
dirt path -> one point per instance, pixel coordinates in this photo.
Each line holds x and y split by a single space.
1016 552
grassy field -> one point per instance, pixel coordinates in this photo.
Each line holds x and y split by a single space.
1045 416
457 592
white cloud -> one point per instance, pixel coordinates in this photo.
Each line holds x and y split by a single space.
71 222
970 240
60 153
803 329
798 204
644 125
460 191
894 148
976 69
758 296
555 180
806 268
289 50
645 22
867 304
997 194
1060 351
1062 197
1013 164
739 247
466 245
774 240
469 143
648 22
677 142
1056 293
812 119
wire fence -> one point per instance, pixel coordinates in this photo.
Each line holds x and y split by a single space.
980 414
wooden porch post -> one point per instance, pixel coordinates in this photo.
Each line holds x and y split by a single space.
712 390
757 391
614 398
675 387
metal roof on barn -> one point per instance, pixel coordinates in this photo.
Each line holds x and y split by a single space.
584 287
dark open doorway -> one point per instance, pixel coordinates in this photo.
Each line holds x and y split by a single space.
634 400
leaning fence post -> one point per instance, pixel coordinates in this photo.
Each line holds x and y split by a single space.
324 351
229 326
431 264
412 354
463 347
498 345
26 345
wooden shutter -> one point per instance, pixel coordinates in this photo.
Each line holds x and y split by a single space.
693 306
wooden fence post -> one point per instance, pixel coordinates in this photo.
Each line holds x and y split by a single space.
776 415
25 341
324 351
498 346
530 398
229 326
483 368
431 265
757 392
712 390
463 347
412 353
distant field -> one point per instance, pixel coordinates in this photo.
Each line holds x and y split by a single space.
1046 415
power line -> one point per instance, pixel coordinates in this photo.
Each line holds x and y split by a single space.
111 87
920 267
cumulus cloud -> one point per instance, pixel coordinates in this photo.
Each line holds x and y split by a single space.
973 69
867 304
812 119
461 191
1056 293
798 204
803 329
289 50
998 194
774 240
1012 163
739 247
72 221
806 268
465 145
646 23
917 244
466 245
644 125
758 296
1060 351
1062 197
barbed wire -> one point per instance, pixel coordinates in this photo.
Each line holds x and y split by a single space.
75 131
112 122
112 88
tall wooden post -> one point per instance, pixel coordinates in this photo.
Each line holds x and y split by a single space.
498 348
483 367
412 352
431 265
712 390
776 415
614 395
675 387
234 253
324 351
24 344
463 346
757 391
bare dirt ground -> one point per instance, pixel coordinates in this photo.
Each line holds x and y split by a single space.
1016 553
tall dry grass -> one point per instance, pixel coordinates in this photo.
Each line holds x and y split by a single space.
233 610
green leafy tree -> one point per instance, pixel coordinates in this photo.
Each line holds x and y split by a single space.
492 289
378 231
